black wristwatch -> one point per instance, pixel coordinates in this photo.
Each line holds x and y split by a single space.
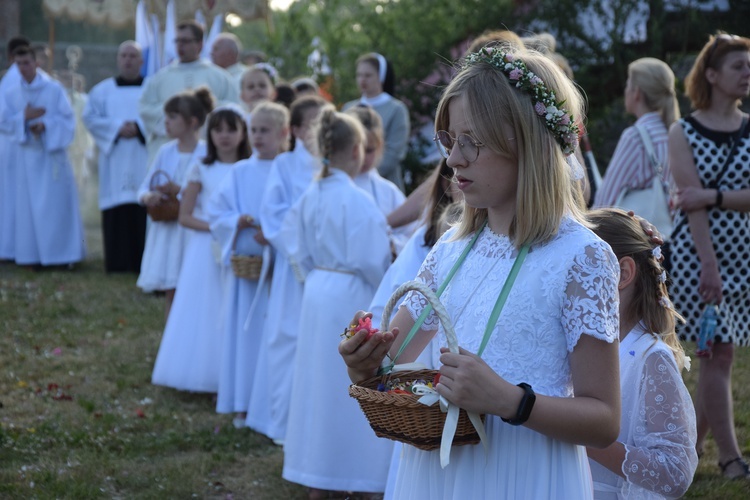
524 407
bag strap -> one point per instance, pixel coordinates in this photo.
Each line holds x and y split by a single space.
426 311
736 139
646 140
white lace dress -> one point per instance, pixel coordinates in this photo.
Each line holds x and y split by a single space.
657 425
565 289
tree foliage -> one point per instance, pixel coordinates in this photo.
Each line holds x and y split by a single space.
421 39
415 36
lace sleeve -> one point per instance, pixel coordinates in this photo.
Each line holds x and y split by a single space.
663 458
592 302
414 302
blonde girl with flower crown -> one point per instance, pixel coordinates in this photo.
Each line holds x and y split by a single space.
654 455
506 123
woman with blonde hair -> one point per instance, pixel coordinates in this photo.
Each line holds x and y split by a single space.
650 96
709 152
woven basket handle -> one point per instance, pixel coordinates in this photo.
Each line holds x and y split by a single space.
158 173
433 300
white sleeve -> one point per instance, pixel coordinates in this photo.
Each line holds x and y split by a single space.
663 428
102 128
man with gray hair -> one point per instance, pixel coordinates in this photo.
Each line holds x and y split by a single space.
225 53
111 115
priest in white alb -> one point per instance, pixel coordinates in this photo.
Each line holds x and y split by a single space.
111 116
188 72
48 227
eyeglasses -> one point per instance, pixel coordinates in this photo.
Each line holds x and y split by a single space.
468 146
182 41
721 36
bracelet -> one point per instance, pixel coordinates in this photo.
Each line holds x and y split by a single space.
524 407
719 198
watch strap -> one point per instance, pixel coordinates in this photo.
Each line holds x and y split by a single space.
524 407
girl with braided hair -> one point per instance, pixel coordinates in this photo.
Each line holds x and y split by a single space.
339 247
654 455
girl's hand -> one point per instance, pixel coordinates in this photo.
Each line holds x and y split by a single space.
468 382
710 284
259 238
169 188
364 356
649 229
245 221
691 198
151 199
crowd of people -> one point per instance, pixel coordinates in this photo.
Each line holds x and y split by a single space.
266 219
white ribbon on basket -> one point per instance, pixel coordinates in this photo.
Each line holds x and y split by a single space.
431 396
265 268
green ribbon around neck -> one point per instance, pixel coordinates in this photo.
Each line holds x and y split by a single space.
501 299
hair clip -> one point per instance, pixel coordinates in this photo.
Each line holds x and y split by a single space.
656 252
663 277
664 301
230 107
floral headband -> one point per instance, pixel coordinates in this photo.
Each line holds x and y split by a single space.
557 119
230 106
272 72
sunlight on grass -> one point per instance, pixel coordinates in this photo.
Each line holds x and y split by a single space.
79 417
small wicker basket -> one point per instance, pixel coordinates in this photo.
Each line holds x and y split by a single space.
402 417
245 266
169 208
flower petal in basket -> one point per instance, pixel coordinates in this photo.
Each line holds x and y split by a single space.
401 416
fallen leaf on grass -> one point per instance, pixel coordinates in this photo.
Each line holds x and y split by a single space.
57 392
139 413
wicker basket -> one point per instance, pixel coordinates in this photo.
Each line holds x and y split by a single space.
246 266
168 208
402 417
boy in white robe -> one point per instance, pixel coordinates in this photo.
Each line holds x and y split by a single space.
10 79
48 228
111 115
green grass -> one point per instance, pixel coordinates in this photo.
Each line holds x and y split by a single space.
80 418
